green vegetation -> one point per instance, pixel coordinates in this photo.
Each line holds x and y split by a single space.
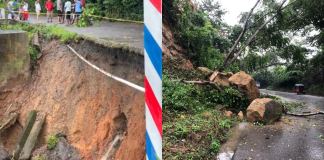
52 142
195 135
48 32
179 96
194 126
126 9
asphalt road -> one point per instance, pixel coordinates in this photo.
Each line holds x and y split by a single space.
293 138
130 34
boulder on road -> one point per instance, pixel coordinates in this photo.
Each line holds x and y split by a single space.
221 78
246 84
264 110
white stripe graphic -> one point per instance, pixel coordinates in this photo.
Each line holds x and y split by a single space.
153 133
153 21
153 78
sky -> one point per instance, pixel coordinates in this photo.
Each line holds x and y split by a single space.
234 8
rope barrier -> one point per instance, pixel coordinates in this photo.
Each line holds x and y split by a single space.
130 84
90 15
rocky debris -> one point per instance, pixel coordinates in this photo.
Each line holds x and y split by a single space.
221 78
265 110
204 70
240 115
170 47
4 154
8 121
228 114
246 84
62 151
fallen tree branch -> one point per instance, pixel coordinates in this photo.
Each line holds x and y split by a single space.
204 83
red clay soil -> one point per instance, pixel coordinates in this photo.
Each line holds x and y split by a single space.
85 105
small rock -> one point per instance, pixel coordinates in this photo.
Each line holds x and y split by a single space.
228 114
264 110
240 115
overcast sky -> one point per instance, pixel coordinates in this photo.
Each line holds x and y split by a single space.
234 8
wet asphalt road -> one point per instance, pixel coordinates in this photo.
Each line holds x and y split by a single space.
293 138
130 34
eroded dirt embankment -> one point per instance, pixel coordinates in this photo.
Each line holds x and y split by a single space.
82 103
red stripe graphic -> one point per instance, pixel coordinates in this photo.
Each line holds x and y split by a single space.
157 4
153 105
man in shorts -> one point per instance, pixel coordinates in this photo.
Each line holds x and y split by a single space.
59 7
78 9
67 9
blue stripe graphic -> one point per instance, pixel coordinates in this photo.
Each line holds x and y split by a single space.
150 152
153 50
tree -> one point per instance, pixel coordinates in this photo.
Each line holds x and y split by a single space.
236 51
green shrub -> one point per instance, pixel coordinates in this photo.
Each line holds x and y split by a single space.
215 146
199 133
188 97
52 142
33 52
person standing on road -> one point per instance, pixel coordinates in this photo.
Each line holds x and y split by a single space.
11 10
37 9
59 7
49 5
78 10
25 14
67 9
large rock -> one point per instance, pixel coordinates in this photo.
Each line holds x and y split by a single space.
14 58
63 150
220 78
246 84
264 110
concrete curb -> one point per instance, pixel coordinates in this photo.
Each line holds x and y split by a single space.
227 150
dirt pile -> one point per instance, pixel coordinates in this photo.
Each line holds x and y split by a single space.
81 103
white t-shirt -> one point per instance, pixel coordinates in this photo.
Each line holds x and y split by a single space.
25 7
59 5
37 6
67 6
10 5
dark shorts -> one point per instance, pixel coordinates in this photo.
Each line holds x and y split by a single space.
78 14
68 15
60 13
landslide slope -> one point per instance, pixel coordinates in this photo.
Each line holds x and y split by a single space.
82 103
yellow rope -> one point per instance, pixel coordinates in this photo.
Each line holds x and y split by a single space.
107 18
